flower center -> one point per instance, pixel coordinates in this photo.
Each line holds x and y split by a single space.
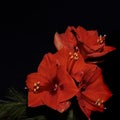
55 87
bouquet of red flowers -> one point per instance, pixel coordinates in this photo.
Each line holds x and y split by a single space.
65 82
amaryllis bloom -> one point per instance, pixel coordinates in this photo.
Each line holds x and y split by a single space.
93 92
89 42
51 85
93 44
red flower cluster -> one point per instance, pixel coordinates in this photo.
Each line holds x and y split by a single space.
64 74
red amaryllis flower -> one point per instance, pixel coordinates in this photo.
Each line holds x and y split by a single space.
93 92
93 44
51 85
89 42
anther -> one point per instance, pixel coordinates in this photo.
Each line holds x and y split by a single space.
35 84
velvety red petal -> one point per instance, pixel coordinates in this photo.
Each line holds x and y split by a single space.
35 100
98 90
78 70
46 72
50 100
67 86
63 106
106 50
47 67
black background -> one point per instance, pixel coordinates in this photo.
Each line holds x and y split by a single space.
27 30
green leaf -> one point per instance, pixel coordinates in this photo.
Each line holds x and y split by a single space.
14 106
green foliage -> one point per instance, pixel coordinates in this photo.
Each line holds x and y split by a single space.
14 107
70 115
